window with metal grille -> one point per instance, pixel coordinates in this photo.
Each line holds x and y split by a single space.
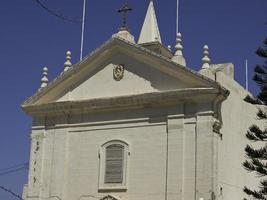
114 164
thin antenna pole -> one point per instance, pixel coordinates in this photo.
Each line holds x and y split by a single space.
83 24
177 17
247 75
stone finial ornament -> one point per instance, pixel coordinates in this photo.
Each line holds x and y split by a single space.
206 59
178 56
206 69
44 80
68 63
179 46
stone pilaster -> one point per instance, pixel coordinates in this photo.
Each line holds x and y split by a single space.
206 156
175 157
189 160
35 165
48 146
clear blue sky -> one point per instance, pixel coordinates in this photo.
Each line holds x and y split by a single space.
30 38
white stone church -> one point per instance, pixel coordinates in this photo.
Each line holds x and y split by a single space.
132 122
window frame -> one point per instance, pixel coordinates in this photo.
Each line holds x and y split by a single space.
102 167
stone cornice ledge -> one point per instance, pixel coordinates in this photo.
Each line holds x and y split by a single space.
147 100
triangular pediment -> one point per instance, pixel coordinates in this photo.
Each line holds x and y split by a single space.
122 75
119 68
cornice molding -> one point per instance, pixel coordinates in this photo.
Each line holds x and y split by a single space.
148 100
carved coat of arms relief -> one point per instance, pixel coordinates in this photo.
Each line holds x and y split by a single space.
118 72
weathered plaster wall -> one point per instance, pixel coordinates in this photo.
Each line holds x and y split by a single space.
163 161
237 116
146 162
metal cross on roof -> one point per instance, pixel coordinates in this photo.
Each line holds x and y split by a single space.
124 10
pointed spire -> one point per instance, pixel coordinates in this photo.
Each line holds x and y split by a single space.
150 30
206 59
178 56
44 80
68 63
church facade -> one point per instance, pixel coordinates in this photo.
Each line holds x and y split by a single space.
132 121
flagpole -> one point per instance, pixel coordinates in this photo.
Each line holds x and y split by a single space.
177 17
83 24
247 75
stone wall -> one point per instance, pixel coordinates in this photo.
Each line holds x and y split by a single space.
171 154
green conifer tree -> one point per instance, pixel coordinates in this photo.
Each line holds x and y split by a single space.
257 157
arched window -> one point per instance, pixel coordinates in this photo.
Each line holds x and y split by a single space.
113 165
